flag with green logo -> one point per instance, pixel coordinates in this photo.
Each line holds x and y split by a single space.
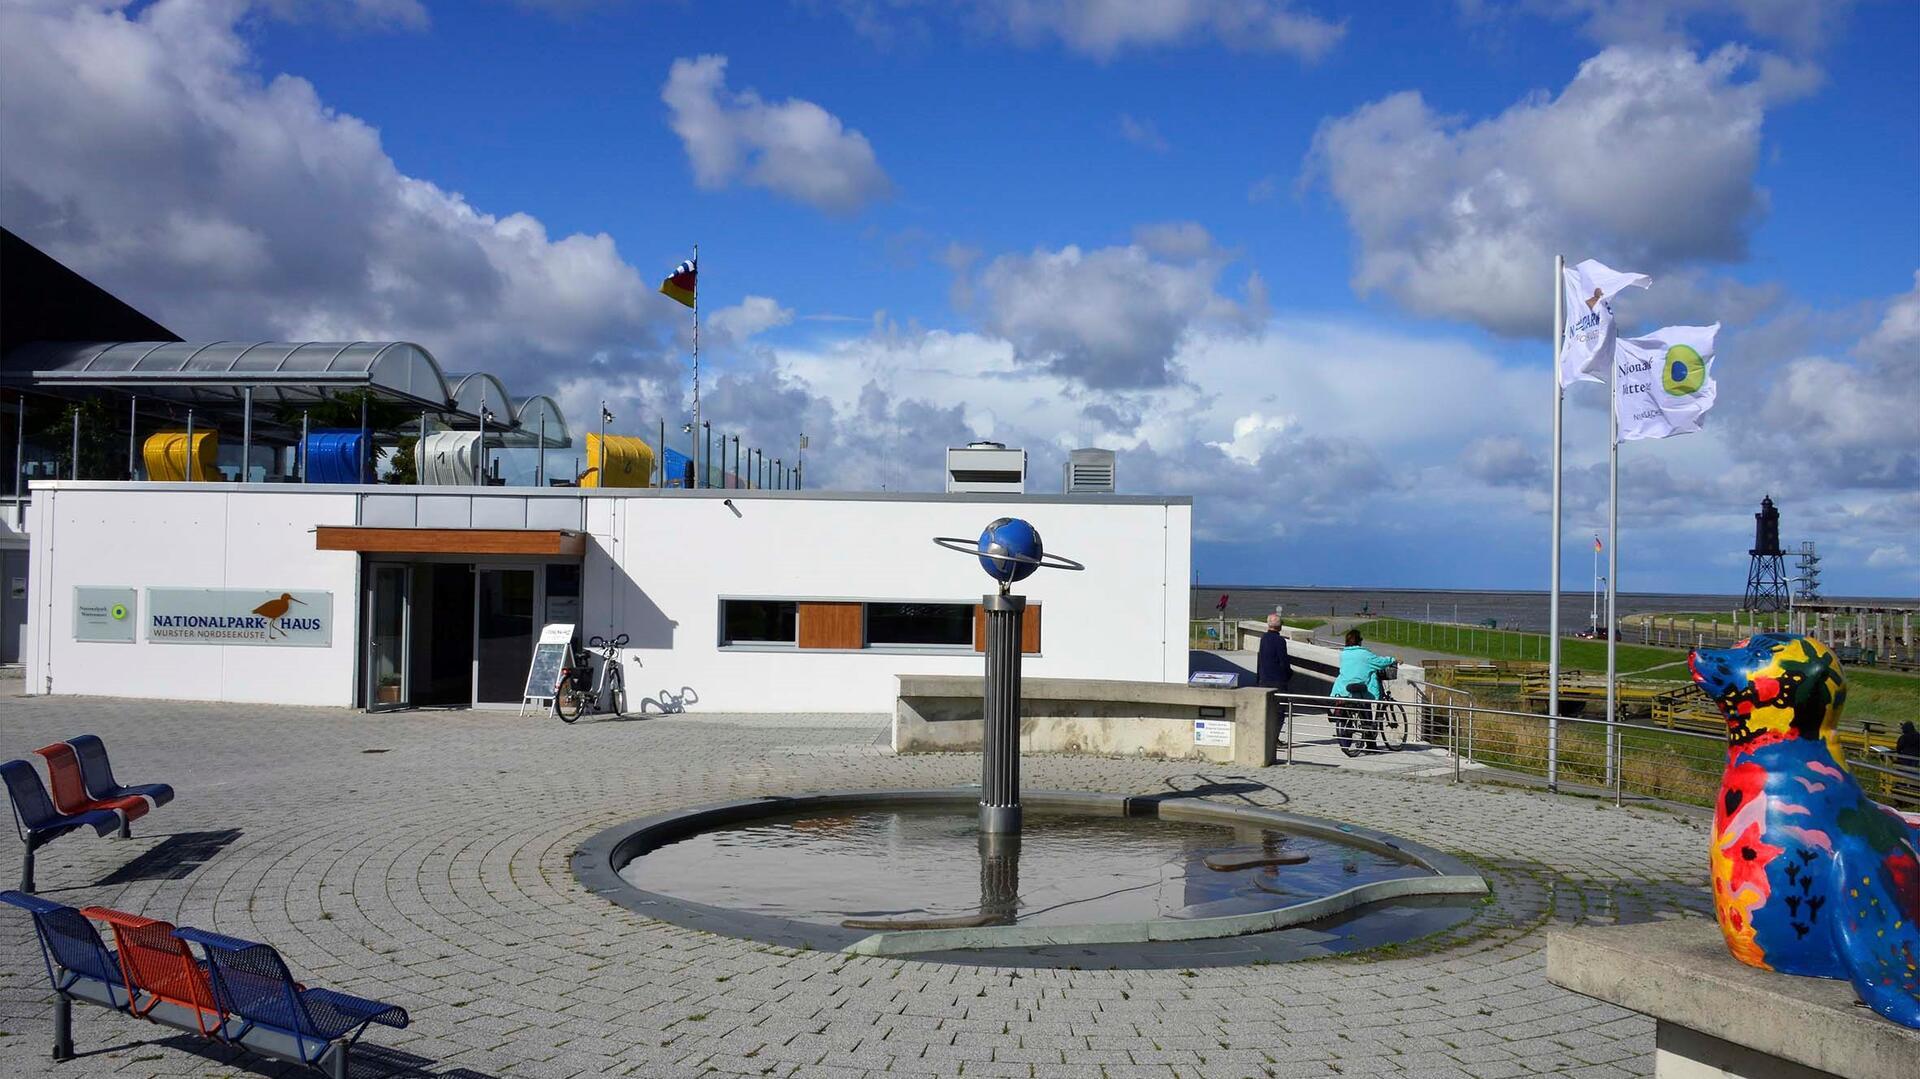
1665 381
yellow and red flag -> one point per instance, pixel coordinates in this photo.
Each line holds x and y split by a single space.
679 284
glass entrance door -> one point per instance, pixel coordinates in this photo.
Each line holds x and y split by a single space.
504 628
389 612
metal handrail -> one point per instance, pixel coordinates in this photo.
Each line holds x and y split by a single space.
1674 764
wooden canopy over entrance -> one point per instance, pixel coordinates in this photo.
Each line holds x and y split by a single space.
549 542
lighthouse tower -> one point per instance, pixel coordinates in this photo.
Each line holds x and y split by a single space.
1767 573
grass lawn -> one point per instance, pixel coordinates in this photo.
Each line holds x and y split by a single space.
1478 643
1885 698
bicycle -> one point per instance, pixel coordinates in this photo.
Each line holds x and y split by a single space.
1357 727
579 692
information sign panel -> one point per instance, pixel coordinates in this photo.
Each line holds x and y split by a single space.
105 614
251 616
1213 732
549 655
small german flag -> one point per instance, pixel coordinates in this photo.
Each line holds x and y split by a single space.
679 285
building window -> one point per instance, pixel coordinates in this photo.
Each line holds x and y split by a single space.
759 621
920 625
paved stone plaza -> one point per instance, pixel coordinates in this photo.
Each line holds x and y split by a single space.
422 859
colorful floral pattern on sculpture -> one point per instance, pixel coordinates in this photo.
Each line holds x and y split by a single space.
1810 875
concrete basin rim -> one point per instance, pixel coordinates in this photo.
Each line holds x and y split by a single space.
598 861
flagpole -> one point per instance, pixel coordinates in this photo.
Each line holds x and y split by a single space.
1613 562
699 477
1553 600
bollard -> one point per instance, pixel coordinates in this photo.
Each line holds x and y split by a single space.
1000 739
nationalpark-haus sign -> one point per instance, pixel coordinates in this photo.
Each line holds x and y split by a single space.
239 616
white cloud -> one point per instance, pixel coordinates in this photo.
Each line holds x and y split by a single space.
752 315
1892 556
1646 159
1143 133
793 148
1112 317
148 153
374 14
1797 23
1504 461
1105 28
1848 422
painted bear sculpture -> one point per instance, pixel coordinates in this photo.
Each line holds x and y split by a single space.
1810 876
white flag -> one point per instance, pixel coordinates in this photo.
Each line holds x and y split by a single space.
1665 381
1588 349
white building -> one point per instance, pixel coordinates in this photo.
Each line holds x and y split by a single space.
754 600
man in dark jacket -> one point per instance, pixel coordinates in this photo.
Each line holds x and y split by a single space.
1907 748
1275 668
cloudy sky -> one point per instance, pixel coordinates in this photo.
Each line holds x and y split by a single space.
1291 257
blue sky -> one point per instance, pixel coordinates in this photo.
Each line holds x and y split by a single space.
1289 258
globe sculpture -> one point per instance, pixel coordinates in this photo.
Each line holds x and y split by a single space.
1810 875
1009 549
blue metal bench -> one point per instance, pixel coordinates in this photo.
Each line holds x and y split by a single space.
271 1014
79 965
97 772
255 1003
38 822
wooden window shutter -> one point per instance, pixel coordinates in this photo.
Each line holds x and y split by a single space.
831 625
1029 629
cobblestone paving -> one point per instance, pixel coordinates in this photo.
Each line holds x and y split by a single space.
423 859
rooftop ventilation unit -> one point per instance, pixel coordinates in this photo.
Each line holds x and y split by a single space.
1089 472
988 468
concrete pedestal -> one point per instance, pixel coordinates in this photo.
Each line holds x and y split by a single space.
1716 1018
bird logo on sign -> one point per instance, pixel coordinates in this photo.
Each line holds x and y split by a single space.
275 609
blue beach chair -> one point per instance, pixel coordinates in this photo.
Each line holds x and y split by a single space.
38 822
79 964
97 772
271 1014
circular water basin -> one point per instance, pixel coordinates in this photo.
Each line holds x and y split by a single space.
919 865
1134 880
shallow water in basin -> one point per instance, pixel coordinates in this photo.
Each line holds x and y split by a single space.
822 867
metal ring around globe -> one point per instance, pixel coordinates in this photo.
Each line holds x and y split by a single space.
1047 560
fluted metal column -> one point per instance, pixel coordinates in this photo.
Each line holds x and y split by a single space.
1000 877
1000 744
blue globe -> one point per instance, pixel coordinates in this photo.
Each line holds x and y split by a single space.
1010 536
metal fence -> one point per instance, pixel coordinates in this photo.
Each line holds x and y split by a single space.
1579 755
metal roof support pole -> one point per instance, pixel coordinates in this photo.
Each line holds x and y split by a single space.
364 455
189 473
74 470
419 452
661 464
302 455
133 421
482 447
706 467
540 462
246 434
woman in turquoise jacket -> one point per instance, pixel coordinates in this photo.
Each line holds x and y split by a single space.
1359 666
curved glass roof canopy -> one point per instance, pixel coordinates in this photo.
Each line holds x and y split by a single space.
538 415
218 374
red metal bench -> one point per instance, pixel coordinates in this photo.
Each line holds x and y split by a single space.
70 788
160 969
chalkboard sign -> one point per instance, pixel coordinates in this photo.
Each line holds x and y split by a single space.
549 655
